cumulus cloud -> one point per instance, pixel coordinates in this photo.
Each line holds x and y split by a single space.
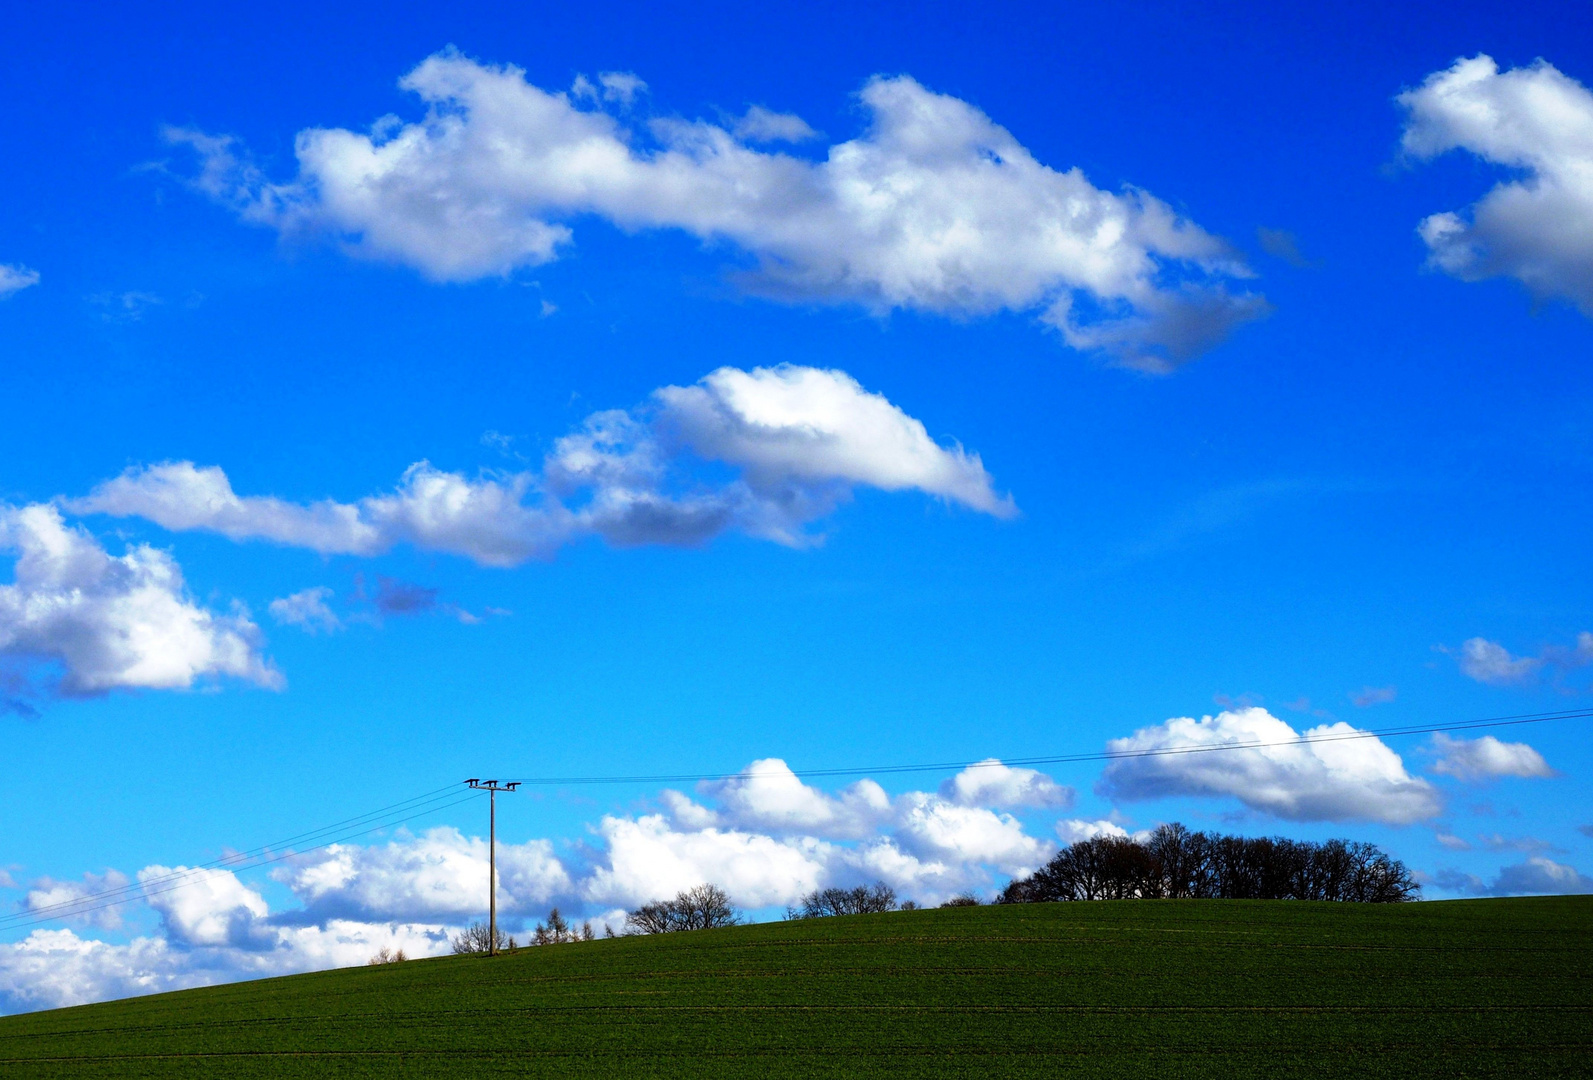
764 836
768 795
992 784
800 439
13 279
211 908
1534 876
1486 758
71 900
1072 830
438 876
1537 122
649 859
931 826
934 208
1269 768
956 827
52 969
307 609
1540 875
109 622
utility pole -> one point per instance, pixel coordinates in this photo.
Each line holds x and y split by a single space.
492 856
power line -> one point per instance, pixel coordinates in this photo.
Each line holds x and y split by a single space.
442 798
1061 759
92 902
241 858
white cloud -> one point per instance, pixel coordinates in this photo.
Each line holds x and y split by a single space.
113 622
787 427
1538 122
55 968
306 609
1352 779
800 438
767 839
1540 875
1486 758
13 279
180 496
762 125
440 876
934 208
212 907
768 795
992 784
968 834
73 901
1072 830
1489 662
650 860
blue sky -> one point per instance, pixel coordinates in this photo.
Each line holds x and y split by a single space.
1266 444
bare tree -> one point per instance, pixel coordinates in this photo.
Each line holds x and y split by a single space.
476 938
863 900
704 907
384 955
966 899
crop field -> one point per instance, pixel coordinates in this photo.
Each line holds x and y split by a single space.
1229 989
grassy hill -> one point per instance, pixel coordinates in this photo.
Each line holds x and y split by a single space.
1228 989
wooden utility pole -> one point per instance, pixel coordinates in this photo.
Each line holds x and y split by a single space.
492 856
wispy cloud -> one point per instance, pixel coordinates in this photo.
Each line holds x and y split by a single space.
14 278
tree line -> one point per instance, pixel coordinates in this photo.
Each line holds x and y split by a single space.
1171 863
1175 863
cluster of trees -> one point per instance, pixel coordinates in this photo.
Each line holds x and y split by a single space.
558 931
702 908
1174 862
477 937
384 955
1171 863
863 900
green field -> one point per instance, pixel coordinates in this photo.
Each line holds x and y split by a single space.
1229 989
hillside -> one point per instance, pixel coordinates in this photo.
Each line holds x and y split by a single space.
1132 989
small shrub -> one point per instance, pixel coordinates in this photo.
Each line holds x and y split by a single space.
966 899
384 955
